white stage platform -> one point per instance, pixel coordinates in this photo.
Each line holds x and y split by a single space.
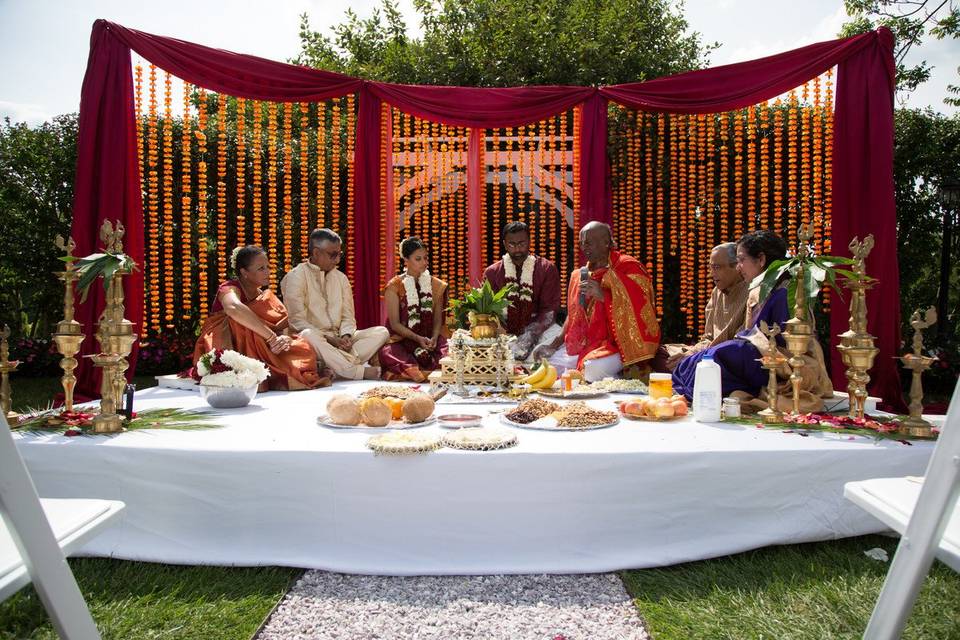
273 488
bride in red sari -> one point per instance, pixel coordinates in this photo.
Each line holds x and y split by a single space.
248 318
415 302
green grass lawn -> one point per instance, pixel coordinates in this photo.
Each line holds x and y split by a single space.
813 591
134 600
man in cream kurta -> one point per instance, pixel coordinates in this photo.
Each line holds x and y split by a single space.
319 301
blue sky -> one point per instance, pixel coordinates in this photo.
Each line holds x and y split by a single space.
45 43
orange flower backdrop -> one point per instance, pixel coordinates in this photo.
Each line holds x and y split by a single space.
234 171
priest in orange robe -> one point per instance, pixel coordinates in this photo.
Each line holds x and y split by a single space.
611 321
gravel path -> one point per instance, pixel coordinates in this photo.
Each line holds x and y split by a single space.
536 607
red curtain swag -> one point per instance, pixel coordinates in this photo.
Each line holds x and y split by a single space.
108 180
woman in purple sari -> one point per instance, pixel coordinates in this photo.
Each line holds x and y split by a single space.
738 358
415 302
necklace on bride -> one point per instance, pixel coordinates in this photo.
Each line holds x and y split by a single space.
417 302
524 286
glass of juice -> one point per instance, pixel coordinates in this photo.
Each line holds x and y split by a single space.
661 385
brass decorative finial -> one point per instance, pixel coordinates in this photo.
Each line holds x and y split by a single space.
112 237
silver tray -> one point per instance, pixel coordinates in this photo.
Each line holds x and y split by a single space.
393 425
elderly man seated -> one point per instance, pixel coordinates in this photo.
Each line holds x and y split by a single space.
320 301
726 310
611 321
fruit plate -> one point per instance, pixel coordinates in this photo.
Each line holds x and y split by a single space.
571 395
393 425
649 419
549 423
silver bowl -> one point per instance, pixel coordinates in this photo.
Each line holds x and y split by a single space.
227 397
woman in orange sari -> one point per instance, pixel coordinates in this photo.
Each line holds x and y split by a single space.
415 302
248 318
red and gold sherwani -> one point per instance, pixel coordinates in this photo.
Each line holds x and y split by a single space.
624 323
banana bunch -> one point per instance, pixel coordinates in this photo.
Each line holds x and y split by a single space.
543 377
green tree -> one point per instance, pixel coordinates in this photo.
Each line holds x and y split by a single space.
910 21
36 194
498 43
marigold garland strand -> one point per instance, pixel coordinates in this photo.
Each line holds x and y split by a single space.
257 151
304 168
351 267
805 150
287 221
272 230
167 283
153 198
222 241
186 209
202 240
241 172
323 211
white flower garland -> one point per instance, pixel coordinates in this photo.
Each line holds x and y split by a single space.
524 288
417 303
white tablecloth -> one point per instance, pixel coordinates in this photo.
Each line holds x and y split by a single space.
274 488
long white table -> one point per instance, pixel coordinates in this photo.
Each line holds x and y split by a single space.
273 488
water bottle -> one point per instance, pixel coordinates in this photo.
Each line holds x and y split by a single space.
707 392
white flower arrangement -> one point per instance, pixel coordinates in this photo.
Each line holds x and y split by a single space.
227 368
417 303
524 286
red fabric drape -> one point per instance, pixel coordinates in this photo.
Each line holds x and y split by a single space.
108 185
594 163
366 180
739 85
863 203
484 108
233 73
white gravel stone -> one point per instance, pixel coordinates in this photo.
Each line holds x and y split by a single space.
537 607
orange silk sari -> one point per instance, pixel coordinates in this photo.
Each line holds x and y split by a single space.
291 370
625 322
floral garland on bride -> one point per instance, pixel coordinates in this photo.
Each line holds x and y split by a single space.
524 286
417 303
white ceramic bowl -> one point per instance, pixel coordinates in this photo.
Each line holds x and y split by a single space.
459 420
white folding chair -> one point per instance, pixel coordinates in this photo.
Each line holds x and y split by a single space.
35 535
923 535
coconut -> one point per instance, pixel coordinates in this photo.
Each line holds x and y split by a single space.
343 409
418 407
375 412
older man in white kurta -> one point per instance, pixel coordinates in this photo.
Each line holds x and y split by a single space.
319 301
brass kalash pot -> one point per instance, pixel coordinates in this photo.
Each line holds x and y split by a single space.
483 325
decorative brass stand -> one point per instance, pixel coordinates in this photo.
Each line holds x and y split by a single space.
799 331
915 425
115 336
122 336
856 344
69 332
6 366
771 361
